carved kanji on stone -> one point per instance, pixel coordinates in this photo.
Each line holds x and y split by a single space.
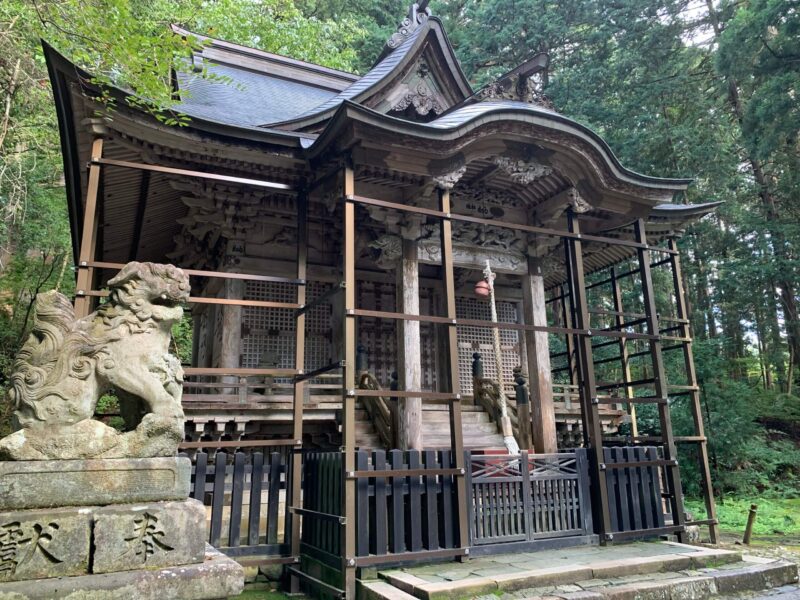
17 547
146 537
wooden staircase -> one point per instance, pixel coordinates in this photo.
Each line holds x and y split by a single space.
251 416
480 433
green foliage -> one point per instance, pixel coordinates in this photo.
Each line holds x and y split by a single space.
182 335
772 516
130 44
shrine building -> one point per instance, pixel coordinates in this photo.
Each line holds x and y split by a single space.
337 229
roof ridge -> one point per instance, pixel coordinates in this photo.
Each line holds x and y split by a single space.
265 56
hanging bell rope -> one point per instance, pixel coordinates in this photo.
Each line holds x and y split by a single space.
505 421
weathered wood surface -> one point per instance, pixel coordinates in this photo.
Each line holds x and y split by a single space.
634 493
409 414
543 416
526 498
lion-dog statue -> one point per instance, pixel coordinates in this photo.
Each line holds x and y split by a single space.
66 365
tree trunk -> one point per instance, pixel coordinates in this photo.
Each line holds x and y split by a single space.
785 287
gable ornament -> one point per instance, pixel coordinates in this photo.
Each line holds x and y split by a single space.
417 16
422 99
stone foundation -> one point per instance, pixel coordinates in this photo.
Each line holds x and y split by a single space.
217 576
95 482
121 528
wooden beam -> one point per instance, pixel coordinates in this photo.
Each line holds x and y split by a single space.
454 383
83 304
593 427
348 538
409 349
539 369
296 500
691 380
673 475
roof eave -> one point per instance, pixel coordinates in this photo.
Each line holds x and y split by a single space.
349 110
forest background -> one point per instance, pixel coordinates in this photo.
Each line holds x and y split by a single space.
700 88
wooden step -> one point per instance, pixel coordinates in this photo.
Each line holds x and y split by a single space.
486 427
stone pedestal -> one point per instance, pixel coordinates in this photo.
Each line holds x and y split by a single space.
117 528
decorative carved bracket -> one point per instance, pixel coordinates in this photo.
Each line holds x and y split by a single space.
448 180
521 171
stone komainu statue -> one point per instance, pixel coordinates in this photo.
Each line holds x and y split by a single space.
66 365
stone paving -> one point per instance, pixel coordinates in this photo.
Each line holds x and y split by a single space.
548 559
643 570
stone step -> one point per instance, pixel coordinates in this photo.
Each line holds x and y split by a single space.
444 417
595 572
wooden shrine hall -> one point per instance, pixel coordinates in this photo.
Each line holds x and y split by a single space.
336 229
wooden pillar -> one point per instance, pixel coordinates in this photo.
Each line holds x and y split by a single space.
231 342
593 430
660 381
409 368
86 253
348 538
539 370
296 499
230 350
456 432
694 390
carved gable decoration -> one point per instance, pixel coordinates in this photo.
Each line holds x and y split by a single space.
417 16
473 243
421 93
419 74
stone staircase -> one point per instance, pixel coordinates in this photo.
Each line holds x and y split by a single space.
637 571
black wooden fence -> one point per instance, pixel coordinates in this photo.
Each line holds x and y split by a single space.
407 510
400 516
246 496
635 495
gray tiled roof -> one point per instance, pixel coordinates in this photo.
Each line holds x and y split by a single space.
473 111
374 76
251 99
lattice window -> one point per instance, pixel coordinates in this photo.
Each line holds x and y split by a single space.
271 330
479 339
378 336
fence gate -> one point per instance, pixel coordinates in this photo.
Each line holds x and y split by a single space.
528 501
